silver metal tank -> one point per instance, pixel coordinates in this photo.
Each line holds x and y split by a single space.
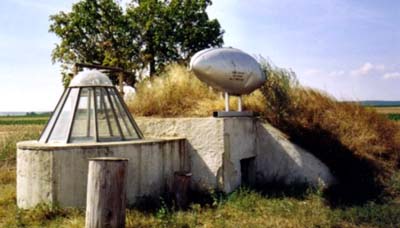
228 69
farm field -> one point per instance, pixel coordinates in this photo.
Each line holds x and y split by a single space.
392 112
387 109
269 207
23 120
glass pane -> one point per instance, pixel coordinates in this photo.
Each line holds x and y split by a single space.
60 130
83 128
107 125
50 124
127 128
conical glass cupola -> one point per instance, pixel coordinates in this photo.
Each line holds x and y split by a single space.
90 110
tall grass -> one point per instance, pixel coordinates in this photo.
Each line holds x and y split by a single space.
177 92
360 146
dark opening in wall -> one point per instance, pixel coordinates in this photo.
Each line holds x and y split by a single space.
248 171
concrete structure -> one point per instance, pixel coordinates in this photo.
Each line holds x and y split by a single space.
221 153
224 152
58 173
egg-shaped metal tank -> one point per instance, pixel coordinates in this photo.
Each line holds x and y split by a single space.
228 69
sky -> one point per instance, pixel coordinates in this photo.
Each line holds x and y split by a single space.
348 48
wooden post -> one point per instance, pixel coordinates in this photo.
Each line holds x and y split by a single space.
106 192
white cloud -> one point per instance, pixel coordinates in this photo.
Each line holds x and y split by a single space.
391 75
367 68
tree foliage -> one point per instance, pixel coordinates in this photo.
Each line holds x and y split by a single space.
149 33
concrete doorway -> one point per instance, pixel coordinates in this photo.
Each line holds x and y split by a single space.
248 171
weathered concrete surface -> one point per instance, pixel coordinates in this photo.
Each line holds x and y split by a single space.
58 174
279 159
221 153
205 147
216 147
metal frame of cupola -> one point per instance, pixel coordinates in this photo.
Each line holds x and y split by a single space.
90 110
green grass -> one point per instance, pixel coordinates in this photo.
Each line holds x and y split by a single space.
394 116
242 208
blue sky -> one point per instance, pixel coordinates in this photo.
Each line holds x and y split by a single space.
351 49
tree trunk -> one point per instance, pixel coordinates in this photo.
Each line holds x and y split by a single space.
152 67
121 83
106 192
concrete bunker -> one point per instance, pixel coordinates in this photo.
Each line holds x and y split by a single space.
91 120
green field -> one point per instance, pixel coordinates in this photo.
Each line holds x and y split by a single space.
23 120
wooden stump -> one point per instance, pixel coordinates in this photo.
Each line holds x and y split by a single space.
106 192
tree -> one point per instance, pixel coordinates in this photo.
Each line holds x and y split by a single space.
151 33
193 30
95 31
173 30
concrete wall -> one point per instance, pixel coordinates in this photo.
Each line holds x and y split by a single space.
58 174
280 160
205 147
218 151
216 147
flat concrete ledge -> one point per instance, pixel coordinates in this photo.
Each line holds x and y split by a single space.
35 145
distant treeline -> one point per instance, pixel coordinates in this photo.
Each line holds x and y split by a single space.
380 103
23 114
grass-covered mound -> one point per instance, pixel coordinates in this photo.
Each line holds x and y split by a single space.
177 92
360 146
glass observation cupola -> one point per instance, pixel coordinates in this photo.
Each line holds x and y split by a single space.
90 110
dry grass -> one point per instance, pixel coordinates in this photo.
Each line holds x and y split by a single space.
10 135
360 146
177 92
